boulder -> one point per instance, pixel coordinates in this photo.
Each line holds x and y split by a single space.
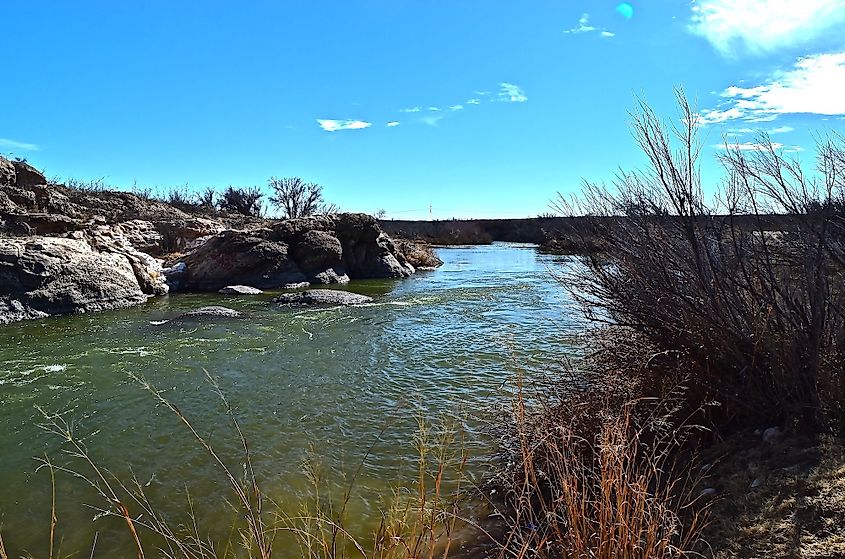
26 175
240 257
7 172
317 251
367 252
121 239
240 290
321 297
44 276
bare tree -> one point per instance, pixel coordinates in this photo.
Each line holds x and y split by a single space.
297 198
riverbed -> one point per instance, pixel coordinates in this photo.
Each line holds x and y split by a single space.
311 384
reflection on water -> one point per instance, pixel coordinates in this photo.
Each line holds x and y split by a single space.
326 381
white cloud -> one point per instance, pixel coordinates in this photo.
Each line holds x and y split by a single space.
393 123
333 125
411 110
435 109
13 144
585 27
510 93
781 130
748 146
456 107
473 102
759 26
814 85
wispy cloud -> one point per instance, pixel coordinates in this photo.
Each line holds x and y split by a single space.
814 85
456 108
333 125
411 110
393 123
473 101
781 130
756 146
435 109
510 93
758 26
585 27
13 144
432 120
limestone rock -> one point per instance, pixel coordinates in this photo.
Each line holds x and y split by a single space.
44 276
240 290
321 297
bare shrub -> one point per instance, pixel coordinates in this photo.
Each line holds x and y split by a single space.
297 198
245 201
746 290
418 254
206 200
93 185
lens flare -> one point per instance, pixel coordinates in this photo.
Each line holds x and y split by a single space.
626 9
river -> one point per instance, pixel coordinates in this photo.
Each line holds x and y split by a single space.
328 383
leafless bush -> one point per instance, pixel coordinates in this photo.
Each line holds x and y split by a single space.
245 201
297 198
206 200
746 290
180 197
93 185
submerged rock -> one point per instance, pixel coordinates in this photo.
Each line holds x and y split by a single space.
240 290
321 297
212 311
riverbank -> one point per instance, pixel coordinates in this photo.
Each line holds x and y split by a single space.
70 250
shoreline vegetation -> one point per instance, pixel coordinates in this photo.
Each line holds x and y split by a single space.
705 417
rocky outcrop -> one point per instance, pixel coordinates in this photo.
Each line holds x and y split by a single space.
67 250
7 172
27 175
243 257
317 250
46 276
321 297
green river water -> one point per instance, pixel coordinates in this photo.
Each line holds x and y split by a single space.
327 382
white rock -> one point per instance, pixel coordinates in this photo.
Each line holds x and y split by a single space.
240 290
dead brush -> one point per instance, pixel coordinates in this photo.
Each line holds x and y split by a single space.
744 284
596 478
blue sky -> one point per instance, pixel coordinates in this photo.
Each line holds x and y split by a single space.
475 108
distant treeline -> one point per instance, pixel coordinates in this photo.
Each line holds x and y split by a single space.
566 234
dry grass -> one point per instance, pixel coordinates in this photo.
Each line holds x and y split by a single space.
419 254
595 474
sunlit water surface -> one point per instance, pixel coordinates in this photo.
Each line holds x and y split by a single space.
329 383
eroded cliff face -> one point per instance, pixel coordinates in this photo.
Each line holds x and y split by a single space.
68 251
